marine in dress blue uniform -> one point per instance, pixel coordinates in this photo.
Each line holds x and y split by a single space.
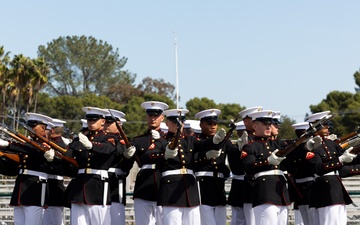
89 190
119 169
270 197
328 194
211 172
148 178
241 184
53 214
179 191
30 196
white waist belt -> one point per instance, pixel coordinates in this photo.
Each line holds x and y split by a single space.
117 171
303 180
102 173
208 174
327 174
41 175
178 171
148 166
238 177
269 172
55 177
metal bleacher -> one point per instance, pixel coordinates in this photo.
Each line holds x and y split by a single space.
352 184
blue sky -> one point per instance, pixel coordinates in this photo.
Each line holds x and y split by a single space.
282 55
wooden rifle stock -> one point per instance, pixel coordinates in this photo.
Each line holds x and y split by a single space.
175 140
43 149
344 138
126 140
308 133
229 132
355 150
291 147
44 139
12 156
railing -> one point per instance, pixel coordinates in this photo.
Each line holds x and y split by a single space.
352 184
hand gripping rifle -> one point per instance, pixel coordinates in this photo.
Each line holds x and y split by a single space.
126 140
314 127
43 139
232 126
175 140
39 146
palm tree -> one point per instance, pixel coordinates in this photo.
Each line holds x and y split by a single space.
4 61
41 79
22 69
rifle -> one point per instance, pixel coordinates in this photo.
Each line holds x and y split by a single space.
351 143
175 140
43 139
355 150
126 140
12 156
348 136
25 139
232 126
314 127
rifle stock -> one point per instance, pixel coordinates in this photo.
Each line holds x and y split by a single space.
44 139
23 139
344 138
355 150
43 149
126 140
174 141
12 156
308 133
229 132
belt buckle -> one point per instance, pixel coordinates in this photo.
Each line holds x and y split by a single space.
87 170
183 171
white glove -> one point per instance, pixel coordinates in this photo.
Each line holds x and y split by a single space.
3 143
85 141
275 160
213 154
243 140
313 142
129 152
169 153
332 137
155 134
347 156
49 155
219 136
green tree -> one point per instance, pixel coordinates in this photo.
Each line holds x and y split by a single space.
81 65
286 130
345 106
158 86
40 79
196 105
4 80
22 72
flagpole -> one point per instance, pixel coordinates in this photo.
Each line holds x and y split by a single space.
176 73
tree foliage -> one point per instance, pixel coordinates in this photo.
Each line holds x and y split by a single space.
82 65
345 106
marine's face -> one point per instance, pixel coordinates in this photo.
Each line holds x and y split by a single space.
154 121
262 129
208 128
110 127
274 129
40 129
95 125
323 132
